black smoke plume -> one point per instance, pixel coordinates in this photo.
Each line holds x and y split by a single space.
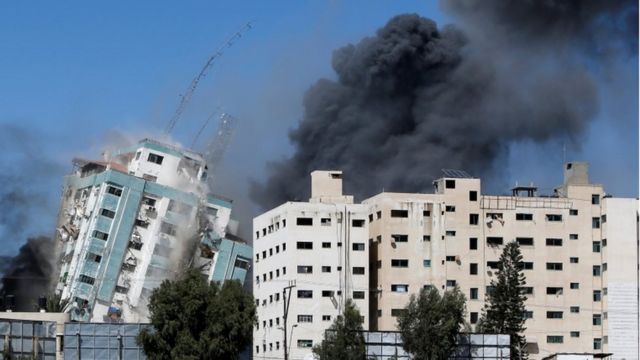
28 179
29 273
415 98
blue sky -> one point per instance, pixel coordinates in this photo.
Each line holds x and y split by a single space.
79 75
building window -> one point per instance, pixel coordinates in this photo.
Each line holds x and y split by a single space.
604 242
473 219
450 208
326 269
426 213
526 265
573 236
426 263
357 223
378 215
574 260
107 213
450 233
597 344
573 212
554 217
527 290
473 195
596 246
473 269
595 199
167 228
100 235
426 238
401 288
555 339
358 270
399 213
597 295
450 258
94 257
595 223
401 263
473 317
114 191
575 334
327 293
524 217
473 243
357 246
575 309
554 266
303 343
358 295
326 245
451 283
305 294
494 241
450 184
574 286
305 269
554 314
400 238
304 245
473 293
86 279
528 314
305 221
554 242
305 318
554 291
596 270
604 267
603 219
495 265
326 317
522 241
397 312
154 158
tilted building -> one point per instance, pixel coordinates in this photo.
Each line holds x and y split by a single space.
579 247
318 247
135 219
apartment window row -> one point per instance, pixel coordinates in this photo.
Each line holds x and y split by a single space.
271 228
308 294
271 251
277 272
271 348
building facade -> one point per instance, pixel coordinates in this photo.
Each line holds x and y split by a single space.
130 221
312 257
579 247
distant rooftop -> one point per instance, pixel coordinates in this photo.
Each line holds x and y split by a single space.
458 174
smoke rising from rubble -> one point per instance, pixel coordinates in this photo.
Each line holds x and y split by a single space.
28 276
415 98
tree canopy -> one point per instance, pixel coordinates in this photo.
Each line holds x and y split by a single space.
504 310
344 339
431 322
193 318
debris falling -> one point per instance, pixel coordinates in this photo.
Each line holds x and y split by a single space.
416 98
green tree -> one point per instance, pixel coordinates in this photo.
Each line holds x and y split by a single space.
430 323
504 309
344 339
193 318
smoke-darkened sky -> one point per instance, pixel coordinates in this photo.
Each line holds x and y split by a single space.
70 74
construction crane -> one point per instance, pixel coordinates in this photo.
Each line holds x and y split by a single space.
186 98
216 148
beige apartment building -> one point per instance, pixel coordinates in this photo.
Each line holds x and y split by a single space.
311 256
579 246
580 250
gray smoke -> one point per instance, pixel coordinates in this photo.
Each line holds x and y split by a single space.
415 98
29 188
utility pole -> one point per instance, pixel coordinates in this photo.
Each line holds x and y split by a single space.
285 303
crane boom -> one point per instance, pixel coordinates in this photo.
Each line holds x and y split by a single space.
186 98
